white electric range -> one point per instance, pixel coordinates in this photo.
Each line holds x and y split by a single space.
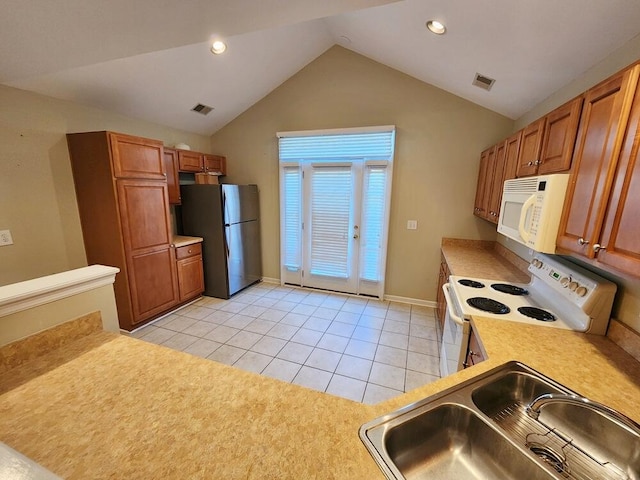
560 294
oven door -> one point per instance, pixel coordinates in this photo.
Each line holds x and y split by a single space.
455 338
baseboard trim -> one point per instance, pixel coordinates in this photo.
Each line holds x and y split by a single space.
412 301
389 298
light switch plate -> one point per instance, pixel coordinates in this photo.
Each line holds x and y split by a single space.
5 238
412 224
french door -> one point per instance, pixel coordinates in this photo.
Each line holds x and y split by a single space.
331 226
334 223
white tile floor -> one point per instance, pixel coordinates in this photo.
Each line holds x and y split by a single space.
363 350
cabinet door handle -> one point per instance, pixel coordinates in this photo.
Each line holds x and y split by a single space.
597 247
529 164
582 241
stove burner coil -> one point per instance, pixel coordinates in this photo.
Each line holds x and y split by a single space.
470 283
537 314
510 289
488 305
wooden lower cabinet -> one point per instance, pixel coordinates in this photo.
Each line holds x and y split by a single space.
190 272
441 304
474 352
152 283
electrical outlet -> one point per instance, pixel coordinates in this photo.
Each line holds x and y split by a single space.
5 237
412 224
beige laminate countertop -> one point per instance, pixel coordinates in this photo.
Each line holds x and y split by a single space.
109 406
481 262
183 240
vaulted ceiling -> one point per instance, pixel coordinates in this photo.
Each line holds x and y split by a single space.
151 60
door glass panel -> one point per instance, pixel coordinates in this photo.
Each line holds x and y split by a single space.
331 199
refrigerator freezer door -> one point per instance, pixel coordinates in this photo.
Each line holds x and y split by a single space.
244 260
240 203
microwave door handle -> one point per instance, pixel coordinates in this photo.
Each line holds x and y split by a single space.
452 314
526 206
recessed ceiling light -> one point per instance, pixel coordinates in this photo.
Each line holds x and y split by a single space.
218 47
436 27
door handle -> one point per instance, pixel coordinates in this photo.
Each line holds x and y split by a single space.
526 206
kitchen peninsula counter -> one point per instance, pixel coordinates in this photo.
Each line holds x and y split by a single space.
109 406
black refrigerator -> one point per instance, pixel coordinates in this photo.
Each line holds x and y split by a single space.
227 218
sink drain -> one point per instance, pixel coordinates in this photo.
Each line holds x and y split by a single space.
553 459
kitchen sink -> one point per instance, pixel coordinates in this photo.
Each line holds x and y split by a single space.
451 441
482 429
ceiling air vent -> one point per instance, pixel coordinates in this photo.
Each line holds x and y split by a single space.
201 108
483 82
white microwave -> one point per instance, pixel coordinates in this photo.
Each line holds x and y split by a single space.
531 209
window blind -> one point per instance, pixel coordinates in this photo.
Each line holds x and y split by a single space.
292 221
367 146
373 221
331 193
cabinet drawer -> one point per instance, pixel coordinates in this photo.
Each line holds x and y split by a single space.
188 251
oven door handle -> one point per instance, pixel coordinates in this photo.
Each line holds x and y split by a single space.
452 314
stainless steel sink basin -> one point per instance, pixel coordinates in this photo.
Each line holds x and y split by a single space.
481 429
451 441
512 388
570 437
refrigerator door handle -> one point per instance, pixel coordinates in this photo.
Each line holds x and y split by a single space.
227 251
225 213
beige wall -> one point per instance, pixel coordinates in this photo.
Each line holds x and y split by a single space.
37 198
438 142
627 304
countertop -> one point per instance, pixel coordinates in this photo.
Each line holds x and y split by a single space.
109 406
183 240
481 260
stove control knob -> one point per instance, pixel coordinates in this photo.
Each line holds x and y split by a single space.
573 286
581 291
536 263
564 281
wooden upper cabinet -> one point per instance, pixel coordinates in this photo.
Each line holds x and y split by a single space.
600 136
512 150
561 128
136 157
530 147
171 167
495 182
215 164
619 238
481 201
190 161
